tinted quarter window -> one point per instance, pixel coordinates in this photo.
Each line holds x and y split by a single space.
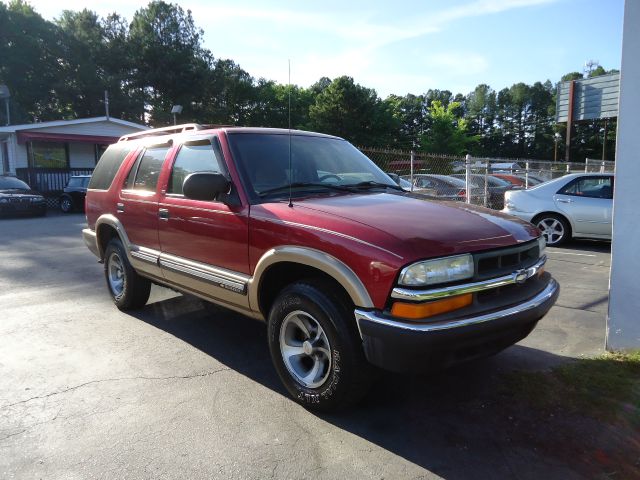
196 156
592 187
108 166
149 168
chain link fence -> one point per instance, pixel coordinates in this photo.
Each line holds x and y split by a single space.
480 181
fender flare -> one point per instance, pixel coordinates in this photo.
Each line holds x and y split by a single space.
111 220
313 258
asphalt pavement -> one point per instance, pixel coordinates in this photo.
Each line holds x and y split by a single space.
184 389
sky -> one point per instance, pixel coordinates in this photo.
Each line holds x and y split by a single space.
400 47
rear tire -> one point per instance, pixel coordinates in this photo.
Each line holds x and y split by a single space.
555 228
128 290
66 204
315 346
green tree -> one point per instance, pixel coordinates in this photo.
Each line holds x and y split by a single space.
172 65
33 64
448 133
352 111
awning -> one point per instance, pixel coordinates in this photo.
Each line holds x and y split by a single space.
24 137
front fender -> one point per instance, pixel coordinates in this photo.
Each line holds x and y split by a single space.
313 258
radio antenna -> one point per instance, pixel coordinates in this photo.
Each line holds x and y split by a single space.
289 121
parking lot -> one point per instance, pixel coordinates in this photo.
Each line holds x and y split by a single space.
183 389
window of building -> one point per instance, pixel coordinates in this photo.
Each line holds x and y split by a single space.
195 156
100 149
49 155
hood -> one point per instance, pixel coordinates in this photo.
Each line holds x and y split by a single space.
416 227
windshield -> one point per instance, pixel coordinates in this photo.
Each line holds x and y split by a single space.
9 183
317 163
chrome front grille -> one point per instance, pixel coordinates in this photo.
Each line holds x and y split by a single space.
505 260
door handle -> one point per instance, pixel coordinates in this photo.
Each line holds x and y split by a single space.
163 214
119 207
565 200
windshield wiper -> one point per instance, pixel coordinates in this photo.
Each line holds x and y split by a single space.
371 184
284 188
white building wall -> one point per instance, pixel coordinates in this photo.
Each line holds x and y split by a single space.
82 155
623 322
20 157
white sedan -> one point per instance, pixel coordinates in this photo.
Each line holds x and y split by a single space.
576 205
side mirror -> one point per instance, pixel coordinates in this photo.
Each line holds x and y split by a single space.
205 185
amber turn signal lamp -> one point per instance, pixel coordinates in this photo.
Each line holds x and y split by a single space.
416 311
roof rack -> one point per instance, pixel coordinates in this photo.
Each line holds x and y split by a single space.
155 132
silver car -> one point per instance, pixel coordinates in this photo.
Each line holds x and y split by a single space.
576 205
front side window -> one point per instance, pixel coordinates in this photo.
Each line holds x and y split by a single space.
591 187
194 156
268 162
49 155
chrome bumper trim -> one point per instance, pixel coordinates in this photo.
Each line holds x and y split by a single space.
90 240
519 276
544 296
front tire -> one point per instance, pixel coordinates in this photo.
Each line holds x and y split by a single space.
128 290
315 346
554 228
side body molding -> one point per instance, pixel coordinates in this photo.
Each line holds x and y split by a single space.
313 258
144 260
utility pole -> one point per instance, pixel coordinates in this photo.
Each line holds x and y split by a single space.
604 139
6 95
106 104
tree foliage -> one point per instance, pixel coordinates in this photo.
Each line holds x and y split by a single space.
61 69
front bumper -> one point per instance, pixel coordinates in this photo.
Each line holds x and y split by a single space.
404 346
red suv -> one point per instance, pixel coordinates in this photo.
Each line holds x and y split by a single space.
303 231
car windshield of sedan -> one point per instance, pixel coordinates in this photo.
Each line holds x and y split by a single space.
10 183
318 164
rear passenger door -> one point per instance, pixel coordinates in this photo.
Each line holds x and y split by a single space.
137 207
204 243
588 201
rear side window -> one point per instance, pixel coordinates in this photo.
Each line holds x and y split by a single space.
195 156
145 172
108 165
593 187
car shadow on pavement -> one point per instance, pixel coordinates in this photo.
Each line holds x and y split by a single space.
584 245
453 423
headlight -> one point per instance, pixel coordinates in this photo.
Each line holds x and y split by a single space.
542 245
37 199
509 205
440 270
4 200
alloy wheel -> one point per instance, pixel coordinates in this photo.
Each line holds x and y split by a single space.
552 230
305 349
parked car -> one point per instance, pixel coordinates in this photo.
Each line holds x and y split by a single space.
303 231
74 193
444 187
576 205
17 198
496 188
516 180
406 185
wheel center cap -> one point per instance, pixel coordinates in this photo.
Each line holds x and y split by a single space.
307 348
